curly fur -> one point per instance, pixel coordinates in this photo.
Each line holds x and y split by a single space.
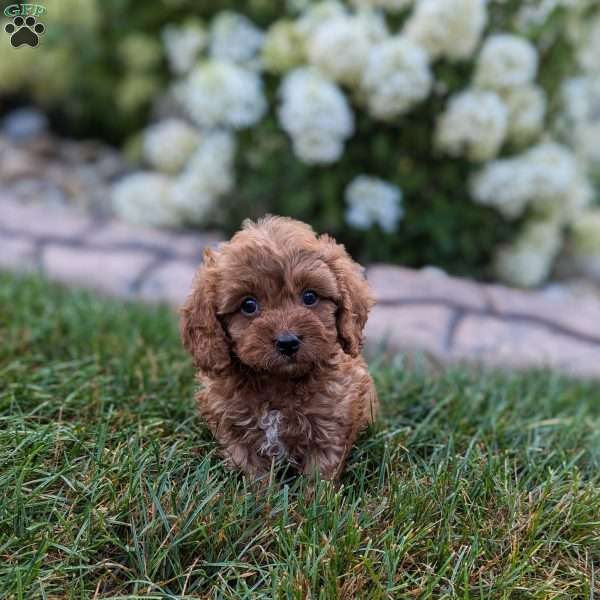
261 405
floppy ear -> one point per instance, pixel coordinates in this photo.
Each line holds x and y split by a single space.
201 332
356 299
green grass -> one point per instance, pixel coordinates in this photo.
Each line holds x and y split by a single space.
110 486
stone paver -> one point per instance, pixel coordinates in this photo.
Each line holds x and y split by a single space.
36 221
397 283
502 343
443 318
582 316
172 282
114 272
17 253
409 327
181 245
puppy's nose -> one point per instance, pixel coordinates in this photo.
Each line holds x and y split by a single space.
287 343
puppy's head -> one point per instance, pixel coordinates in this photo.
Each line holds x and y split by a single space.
277 299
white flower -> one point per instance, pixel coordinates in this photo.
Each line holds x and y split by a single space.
154 199
447 28
565 206
167 145
373 201
581 117
317 14
581 99
527 262
504 185
553 170
283 48
183 45
547 177
316 115
391 6
505 61
208 176
235 38
144 199
339 48
318 146
211 165
474 124
396 78
222 94
526 111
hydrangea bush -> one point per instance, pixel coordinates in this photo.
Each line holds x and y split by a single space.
579 125
447 132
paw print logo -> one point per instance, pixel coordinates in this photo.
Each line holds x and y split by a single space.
24 31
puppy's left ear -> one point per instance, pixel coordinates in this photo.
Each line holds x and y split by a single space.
201 332
356 299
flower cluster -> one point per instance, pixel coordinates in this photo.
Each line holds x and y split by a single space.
447 28
169 144
397 77
529 259
526 112
222 94
340 47
283 47
372 201
506 61
207 177
547 177
235 38
548 181
315 113
183 44
144 199
581 117
198 170
474 124
503 104
320 77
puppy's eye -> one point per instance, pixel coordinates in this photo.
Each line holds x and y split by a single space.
249 306
309 297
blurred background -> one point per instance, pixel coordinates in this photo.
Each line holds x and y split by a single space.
458 134
455 133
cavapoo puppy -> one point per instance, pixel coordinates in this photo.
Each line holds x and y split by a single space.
274 324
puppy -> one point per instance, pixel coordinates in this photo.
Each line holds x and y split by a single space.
274 324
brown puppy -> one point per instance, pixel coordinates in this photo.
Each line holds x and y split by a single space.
274 323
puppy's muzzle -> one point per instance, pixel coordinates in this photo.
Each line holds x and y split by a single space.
287 344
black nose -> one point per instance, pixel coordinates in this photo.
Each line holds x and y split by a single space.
287 343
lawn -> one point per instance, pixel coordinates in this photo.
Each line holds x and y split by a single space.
110 486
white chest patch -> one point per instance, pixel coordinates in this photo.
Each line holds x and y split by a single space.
273 446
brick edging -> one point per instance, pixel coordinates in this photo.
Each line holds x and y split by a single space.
446 318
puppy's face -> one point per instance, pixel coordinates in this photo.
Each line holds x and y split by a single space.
277 299
279 311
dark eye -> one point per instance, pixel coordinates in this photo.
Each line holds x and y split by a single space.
309 297
249 306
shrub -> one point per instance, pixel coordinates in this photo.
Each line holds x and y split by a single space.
417 133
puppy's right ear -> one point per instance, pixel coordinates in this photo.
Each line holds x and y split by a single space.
201 332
